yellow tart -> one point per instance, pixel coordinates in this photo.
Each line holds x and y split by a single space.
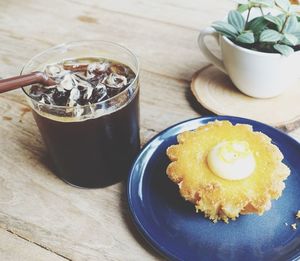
226 170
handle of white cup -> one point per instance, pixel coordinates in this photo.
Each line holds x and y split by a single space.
209 31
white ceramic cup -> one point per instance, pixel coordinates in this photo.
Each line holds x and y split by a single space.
257 74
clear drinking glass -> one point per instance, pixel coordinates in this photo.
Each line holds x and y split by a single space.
95 149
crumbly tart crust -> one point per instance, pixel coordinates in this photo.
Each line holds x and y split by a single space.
221 199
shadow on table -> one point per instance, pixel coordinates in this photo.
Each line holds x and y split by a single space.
35 153
196 106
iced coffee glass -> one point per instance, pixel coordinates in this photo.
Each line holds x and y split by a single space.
91 145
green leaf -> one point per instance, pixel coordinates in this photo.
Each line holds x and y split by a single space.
282 17
295 9
242 8
241 1
225 29
284 49
284 4
236 20
290 39
246 37
275 20
297 34
263 3
257 25
270 36
291 24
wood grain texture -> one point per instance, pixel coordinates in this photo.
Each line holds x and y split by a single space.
78 224
72 21
56 220
176 12
15 248
216 92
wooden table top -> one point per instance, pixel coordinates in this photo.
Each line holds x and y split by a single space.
41 217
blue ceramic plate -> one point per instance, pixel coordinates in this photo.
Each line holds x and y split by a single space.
172 227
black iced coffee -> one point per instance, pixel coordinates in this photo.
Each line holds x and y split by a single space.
89 119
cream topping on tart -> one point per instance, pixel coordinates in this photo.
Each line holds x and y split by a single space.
231 160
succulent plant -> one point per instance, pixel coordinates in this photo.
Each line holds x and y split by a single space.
275 31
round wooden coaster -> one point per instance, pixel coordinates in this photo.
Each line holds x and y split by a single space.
215 91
